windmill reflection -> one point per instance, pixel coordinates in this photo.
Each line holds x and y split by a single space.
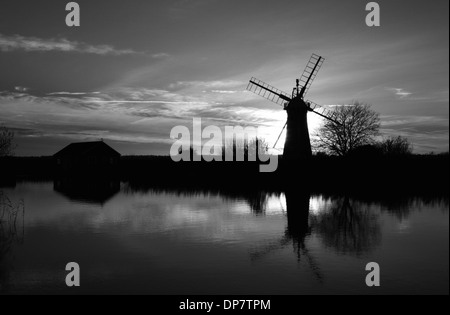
344 225
298 228
296 232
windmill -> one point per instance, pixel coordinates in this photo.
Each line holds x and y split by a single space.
297 144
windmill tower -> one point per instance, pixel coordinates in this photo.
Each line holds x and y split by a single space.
297 145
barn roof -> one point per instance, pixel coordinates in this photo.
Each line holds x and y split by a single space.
86 148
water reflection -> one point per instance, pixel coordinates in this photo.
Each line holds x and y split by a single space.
348 226
12 230
224 241
89 190
298 228
257 200
342 224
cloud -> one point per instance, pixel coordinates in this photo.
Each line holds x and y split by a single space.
30 44
21 89
412 120
426 133
339 105
224 91
68 93
401 93
152 105
215 84
70 100
160 55
42 119
143 115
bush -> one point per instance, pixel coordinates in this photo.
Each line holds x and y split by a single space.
6 141
395 146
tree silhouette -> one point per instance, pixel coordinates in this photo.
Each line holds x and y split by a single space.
248 150
6 141
396 146
358 125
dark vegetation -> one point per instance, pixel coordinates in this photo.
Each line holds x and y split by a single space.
6 141
371 167
357 126
358 173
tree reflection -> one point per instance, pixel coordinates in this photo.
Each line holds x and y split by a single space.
255 198
257 202
12 230
347 226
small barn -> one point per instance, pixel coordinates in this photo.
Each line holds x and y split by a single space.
87 156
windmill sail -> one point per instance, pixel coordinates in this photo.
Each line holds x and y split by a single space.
322 111
278 139
310 72
268 92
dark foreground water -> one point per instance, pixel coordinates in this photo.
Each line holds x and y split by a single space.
128 240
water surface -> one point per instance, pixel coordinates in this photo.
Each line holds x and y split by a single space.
150 241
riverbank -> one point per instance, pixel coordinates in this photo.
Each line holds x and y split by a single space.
414 174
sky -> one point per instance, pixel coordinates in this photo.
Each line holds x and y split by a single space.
134 69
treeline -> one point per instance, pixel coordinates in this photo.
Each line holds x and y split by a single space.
322 173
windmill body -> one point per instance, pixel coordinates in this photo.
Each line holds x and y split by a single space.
297 144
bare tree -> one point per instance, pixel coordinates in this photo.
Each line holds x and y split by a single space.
6 141
358 125
396 146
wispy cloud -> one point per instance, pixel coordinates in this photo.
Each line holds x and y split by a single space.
160 55
339 105
401 93
149 105
216 84
21 89
426 133
146 115
224 91
416 124
69 93
30 44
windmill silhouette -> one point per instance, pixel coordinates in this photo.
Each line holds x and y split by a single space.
297 144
